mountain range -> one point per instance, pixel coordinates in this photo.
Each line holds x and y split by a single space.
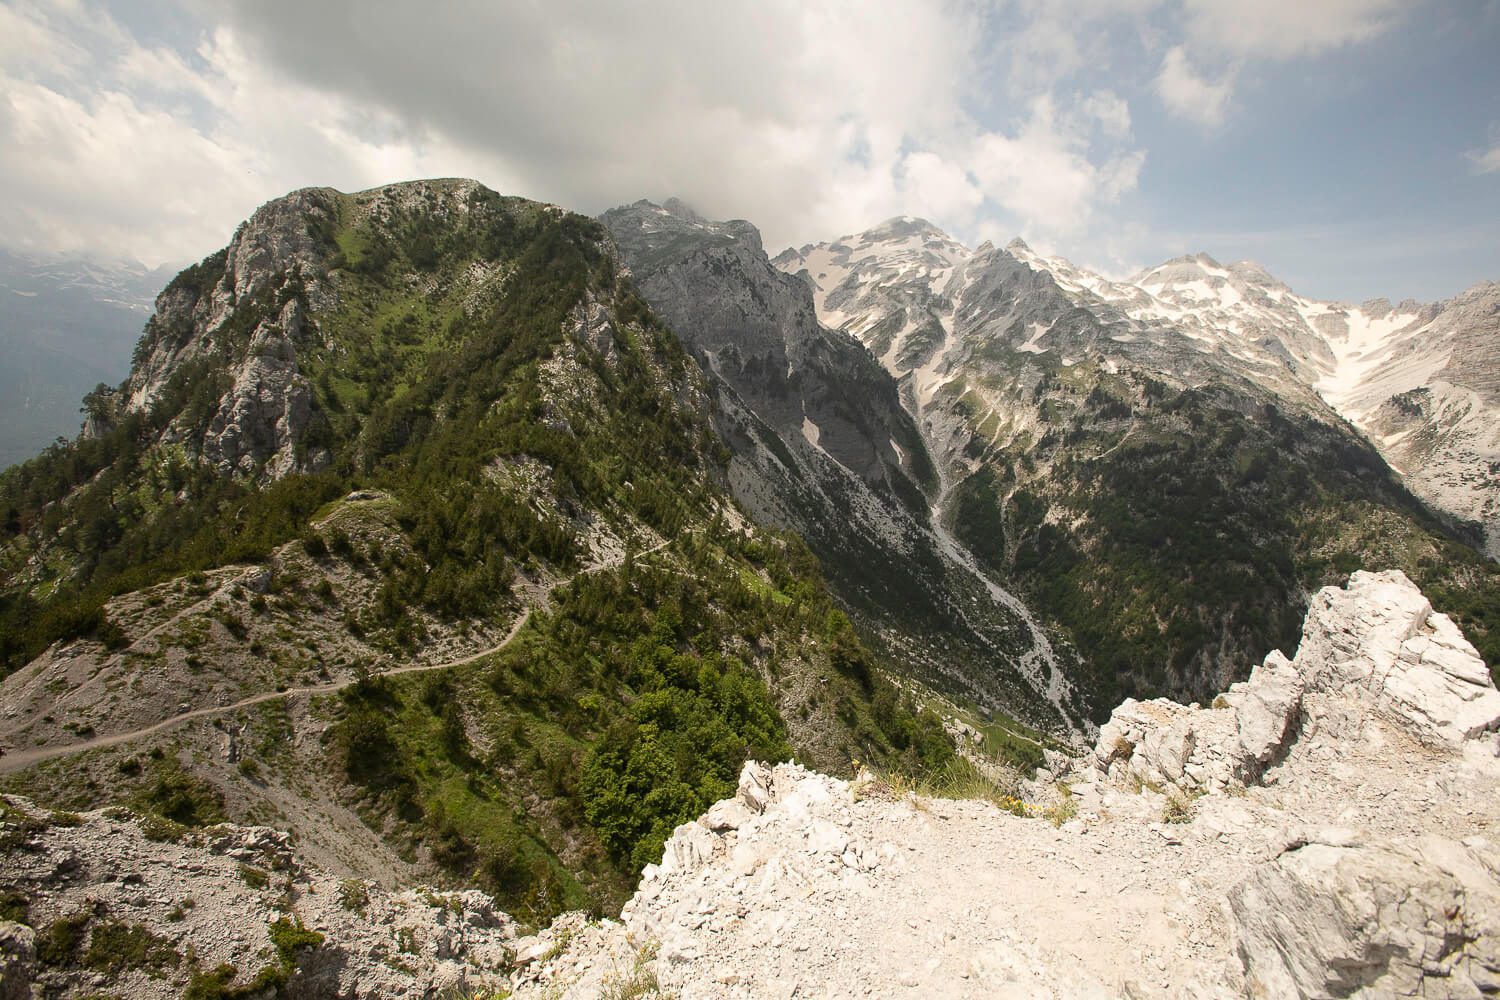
475 541
1169 464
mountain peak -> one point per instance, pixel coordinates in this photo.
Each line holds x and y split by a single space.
645 225
681 209
1253 273
902 227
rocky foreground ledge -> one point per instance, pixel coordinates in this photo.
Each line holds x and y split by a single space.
1330 827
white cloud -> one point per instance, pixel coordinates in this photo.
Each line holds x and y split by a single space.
1284 29
808 119
1110 111
1042 177
1230 33
1189 95
109 176
1488 161
937 187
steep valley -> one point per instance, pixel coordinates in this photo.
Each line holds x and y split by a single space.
1151 463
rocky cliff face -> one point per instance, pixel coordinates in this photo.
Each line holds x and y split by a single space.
821 444
757 332
243 314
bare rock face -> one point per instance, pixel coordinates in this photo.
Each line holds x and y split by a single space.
1339 919
1379 642
262 417
17 960
231 329
1373 647
1191 748
193 314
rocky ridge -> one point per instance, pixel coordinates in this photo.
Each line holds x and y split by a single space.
1326 830
260 417
1345 849
432 657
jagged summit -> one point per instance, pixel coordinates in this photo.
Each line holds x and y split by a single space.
1252 272
648 232
1200 315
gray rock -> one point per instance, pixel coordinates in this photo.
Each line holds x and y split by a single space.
17 960
755 786
1379 641
727 814
1340 919
690 847
1375 646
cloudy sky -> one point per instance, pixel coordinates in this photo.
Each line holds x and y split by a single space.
1351 146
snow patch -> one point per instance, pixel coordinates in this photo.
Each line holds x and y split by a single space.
1033 346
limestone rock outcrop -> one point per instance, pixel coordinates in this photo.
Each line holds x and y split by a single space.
235 325
1338 918
1376 646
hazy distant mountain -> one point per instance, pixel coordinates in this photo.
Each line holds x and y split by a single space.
65 326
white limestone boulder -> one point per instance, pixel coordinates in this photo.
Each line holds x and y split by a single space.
1338 918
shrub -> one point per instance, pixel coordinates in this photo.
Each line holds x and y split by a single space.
15 906
57 943
116 947
177 795
354 895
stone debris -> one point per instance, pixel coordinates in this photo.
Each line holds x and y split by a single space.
213 895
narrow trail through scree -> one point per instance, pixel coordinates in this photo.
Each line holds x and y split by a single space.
22 759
